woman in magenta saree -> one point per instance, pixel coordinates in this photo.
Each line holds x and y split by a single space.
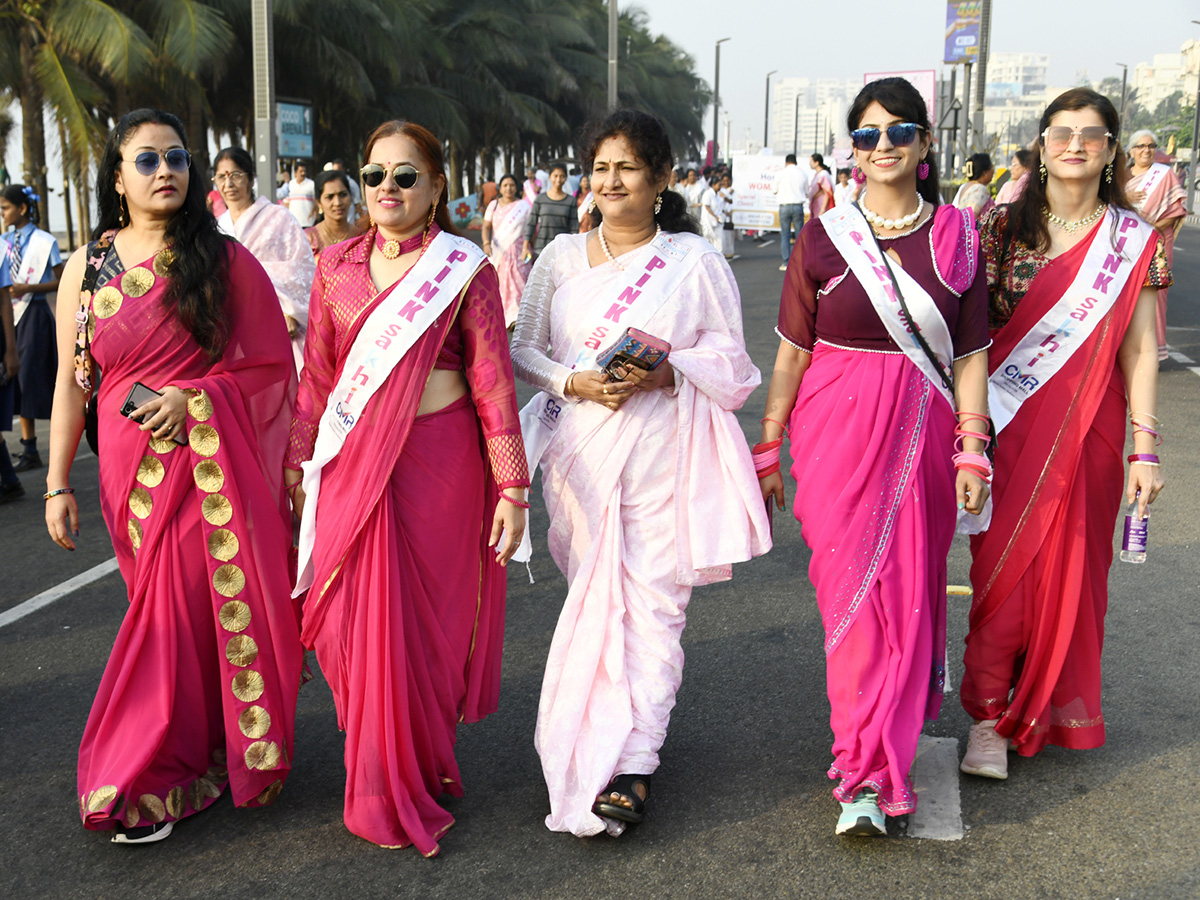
200 689
399 552
873 448
1040 571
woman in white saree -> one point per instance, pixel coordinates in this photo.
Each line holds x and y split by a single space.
637 472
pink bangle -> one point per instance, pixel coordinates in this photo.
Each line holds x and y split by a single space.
1148 459
775 422
518 503
766 458
974 462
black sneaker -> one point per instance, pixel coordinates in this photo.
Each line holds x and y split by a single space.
28 460
14 491
144 834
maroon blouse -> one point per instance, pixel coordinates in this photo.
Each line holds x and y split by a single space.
822 300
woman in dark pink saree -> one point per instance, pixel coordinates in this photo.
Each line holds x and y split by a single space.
405 494
200 689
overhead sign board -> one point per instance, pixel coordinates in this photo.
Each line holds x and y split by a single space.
964 20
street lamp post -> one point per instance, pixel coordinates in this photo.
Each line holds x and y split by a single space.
263 54
1191 185
767 107
796 125
1124 81
717 94
613 22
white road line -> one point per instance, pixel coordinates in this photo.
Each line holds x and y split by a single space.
935 781
45 598
1180 358
1194 369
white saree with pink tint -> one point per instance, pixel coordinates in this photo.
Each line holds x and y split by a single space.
644 502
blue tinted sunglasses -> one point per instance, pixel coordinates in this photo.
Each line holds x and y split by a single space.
901 134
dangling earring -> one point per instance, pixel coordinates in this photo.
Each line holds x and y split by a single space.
658 204
1042 172
124 208
1108 173
591 207
432 213
857 174
922 171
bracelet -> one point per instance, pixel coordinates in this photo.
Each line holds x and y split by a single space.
766 458
1147 415
567 389
775 422
1146 459
292 487
518 503
57 491
974 462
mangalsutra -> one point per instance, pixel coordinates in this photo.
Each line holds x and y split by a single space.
608 253
879 221
1072 227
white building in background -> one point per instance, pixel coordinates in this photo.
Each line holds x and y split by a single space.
822 107
1026 73
1158 80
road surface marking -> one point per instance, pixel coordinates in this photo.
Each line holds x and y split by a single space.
935 782
45 598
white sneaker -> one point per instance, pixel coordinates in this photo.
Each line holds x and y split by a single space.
987 752
783 268
144 834
862 816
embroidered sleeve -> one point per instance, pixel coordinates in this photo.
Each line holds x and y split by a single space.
798 304
531 338
489 372
316 379
1159 273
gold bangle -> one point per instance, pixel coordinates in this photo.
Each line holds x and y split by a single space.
567 388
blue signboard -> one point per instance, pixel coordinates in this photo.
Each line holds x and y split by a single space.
294 122
963 21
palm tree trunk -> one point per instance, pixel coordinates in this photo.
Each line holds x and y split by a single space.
82 199
66 177
32 124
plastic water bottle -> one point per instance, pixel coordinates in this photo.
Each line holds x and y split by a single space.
1133 547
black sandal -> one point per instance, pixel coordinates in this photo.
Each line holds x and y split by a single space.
624 786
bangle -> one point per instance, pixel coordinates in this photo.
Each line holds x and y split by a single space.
519 503
568 390
57 491
974 462
294 485
766 458
1147 415
1146 459
775 422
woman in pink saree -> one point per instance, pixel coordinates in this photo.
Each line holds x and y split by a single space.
200 689
820 188
872 442
647 479
1159 197
503 231
400 550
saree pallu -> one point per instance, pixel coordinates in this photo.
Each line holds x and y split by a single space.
200 689
1040 571
871 445
508 227
1166 201
406 612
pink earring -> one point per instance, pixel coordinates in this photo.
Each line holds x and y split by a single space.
857 174
923 171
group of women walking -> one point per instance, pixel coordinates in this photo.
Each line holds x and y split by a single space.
402 454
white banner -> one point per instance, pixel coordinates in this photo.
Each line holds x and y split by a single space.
754 202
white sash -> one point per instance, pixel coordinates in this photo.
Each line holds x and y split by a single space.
1067 325
654 275
851 235
1150 181
32 266
441 274
506 231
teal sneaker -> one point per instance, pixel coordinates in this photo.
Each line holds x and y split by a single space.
862 816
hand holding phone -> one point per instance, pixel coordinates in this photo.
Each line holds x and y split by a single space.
135 408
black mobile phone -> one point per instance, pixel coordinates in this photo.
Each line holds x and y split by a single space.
139 395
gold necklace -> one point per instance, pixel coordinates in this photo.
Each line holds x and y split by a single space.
1072 227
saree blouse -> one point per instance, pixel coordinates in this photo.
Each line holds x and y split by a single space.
476 345
1010 271
823 301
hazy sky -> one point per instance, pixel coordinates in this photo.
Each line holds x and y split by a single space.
803 39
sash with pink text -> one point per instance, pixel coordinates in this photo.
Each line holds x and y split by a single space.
407 311
852 237
1067 325
1151 180
654 275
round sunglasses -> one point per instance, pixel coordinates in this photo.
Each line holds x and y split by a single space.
373 174
901 134
148 161
1092 138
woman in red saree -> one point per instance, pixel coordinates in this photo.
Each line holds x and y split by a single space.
873 441
402 547
200 689
1040 571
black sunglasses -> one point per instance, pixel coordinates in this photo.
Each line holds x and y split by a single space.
148 161
405 175
901 134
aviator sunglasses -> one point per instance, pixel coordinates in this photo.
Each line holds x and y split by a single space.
405 175
148 161
1057 138
901 134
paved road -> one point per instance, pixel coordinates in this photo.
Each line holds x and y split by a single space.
741 807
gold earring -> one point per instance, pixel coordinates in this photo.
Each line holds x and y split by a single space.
591 207
658 204
1108 173
124 209
432 213
1042 172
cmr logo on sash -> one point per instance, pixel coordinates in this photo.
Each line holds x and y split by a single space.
1025 382
548 414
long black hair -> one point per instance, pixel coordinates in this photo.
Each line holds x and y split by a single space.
1026 221
199 262
652 146
242 160
19 195
900 98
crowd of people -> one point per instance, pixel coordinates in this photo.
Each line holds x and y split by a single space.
355 386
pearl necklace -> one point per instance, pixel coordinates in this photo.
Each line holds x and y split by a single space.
604 243
1072 227
879 221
